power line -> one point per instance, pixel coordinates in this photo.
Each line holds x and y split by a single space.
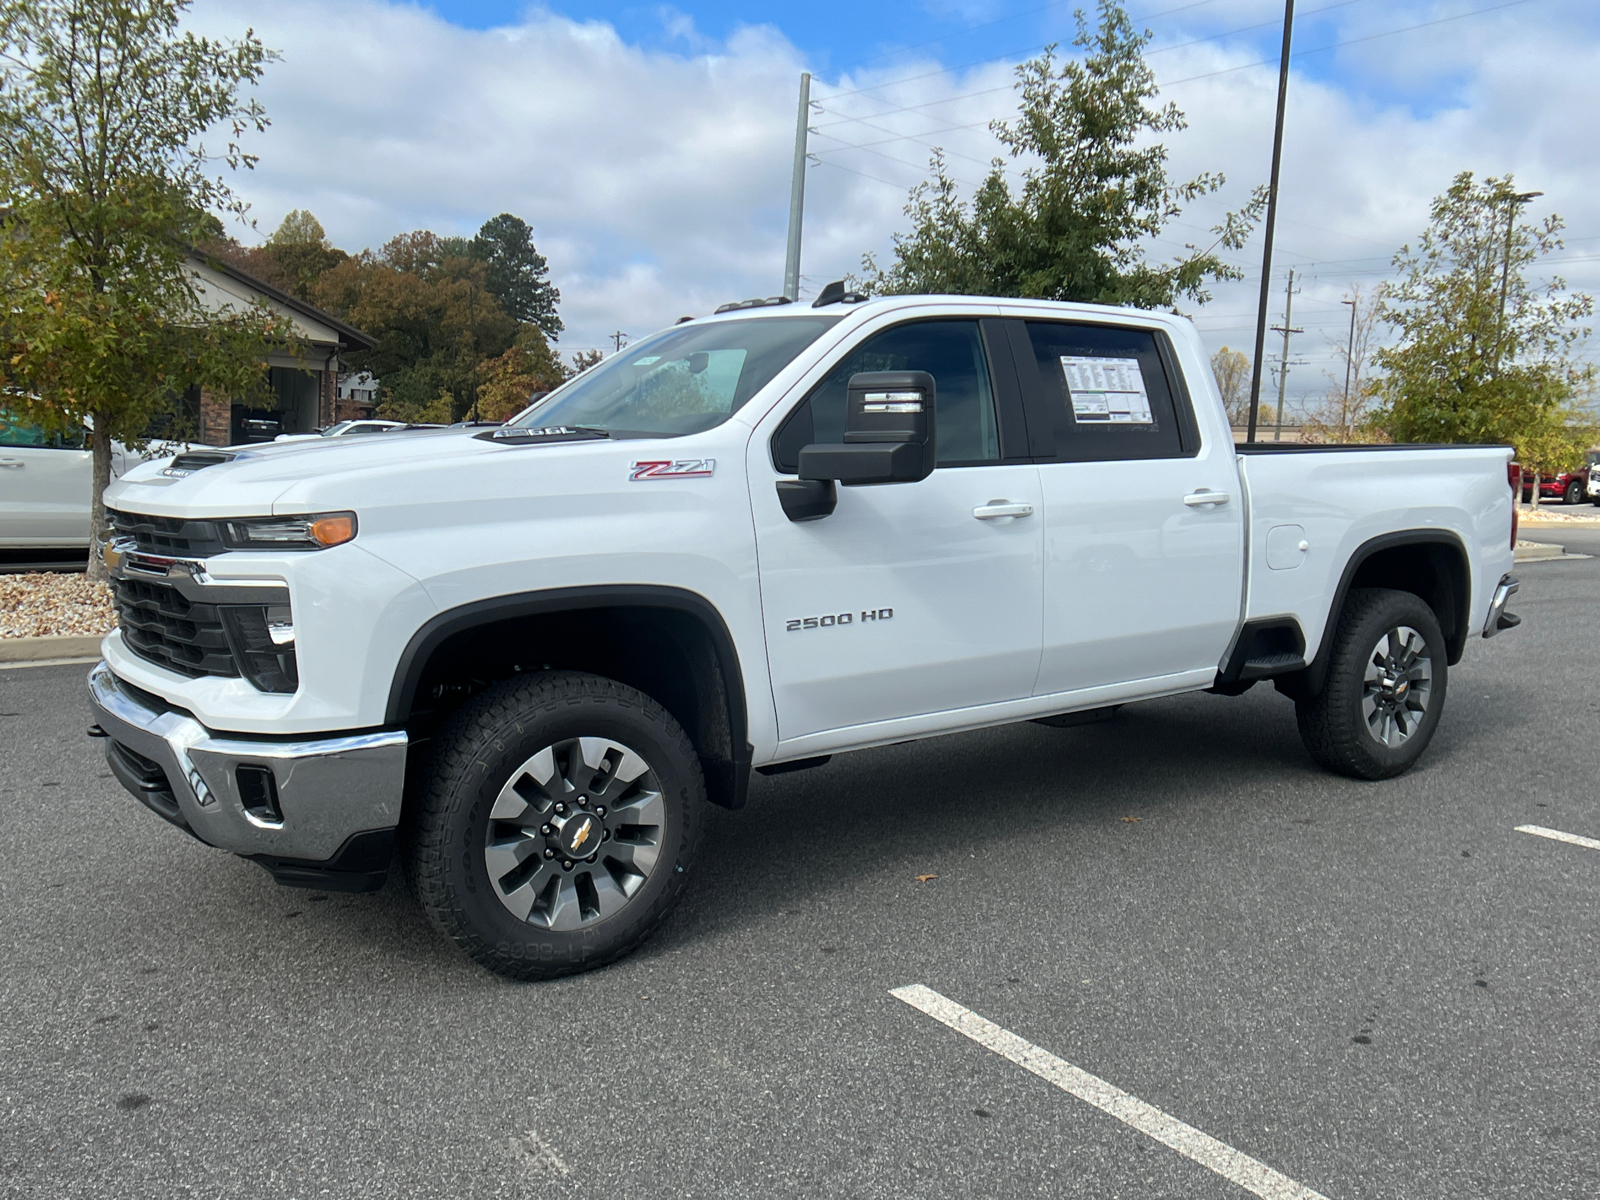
890 157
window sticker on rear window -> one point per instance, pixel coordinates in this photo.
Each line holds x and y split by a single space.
1107 389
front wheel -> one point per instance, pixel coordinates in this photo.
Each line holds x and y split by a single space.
1574 492
558 824
1385 688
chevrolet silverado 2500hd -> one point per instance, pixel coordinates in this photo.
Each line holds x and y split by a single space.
527 657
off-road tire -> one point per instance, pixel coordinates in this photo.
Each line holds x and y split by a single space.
476 753
1332 724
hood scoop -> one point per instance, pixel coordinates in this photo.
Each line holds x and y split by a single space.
196 460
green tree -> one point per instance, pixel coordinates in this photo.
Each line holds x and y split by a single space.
106 182
582 360
301 254
517 272
436 322
1095 190
1483 354
507 382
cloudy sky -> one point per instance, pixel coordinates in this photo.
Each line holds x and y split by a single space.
650 146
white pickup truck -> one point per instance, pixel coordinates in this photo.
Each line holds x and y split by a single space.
527 657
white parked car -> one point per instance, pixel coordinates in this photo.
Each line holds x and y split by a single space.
346 429
45 485
527 657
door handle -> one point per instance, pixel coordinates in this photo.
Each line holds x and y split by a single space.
996 509
15 464
1203 497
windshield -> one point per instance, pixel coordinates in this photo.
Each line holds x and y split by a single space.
683 380
336 430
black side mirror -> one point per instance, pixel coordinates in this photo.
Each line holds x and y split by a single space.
889 432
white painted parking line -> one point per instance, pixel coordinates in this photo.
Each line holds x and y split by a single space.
1231 1164
1555 835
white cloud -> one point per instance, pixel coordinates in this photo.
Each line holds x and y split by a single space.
657 183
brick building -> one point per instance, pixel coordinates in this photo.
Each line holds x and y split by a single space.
304 387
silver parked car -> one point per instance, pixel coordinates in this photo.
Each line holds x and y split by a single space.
45 484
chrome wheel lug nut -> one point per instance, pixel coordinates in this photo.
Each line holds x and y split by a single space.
566 864
561 810
545 829
591 858
549 853
600 809
605 835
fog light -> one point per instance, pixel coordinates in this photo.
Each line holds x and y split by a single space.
280 625
266 655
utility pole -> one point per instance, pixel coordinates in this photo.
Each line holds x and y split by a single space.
472 327
1517 201
797 192
1283 363
1349 361
1349 353
617 339
1272 221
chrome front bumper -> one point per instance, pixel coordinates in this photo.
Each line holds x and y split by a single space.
293 805
1499 619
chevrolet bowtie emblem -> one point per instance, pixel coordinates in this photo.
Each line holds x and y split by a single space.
583 833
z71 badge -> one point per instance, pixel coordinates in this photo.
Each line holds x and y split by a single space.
684 468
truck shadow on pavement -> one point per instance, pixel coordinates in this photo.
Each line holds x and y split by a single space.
869 821
886 814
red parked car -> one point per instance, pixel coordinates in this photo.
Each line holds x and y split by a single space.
1569 487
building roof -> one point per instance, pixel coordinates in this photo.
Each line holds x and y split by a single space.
350 338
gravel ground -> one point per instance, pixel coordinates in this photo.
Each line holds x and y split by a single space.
47 603
1583 514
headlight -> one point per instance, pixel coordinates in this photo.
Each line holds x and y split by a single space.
316 531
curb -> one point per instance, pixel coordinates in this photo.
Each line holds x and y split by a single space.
47 649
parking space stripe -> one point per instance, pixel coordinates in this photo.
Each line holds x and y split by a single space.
1555 835
1231 1164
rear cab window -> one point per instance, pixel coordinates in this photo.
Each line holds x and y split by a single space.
1106 392
16 432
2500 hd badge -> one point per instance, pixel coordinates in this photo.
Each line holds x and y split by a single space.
835 619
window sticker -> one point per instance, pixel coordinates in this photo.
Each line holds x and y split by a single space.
1107 389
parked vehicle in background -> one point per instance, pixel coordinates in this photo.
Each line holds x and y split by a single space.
45 483
351 428
1568 487
527 657
1592 488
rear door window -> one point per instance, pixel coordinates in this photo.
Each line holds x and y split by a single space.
1107 391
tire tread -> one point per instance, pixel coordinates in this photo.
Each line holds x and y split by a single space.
1339 744
429 831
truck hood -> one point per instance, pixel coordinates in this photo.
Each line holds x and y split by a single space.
313 475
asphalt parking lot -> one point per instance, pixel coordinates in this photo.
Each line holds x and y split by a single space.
1375 990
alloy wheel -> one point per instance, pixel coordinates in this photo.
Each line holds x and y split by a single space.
1397 686
574 833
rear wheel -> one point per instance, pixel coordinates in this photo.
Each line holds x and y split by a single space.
1385 688
559 821
1574 494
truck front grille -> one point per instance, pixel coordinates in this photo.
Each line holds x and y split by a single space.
160 625
169 536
